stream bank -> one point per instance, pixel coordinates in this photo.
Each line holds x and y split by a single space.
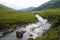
34 29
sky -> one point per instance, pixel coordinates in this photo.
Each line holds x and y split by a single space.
20 4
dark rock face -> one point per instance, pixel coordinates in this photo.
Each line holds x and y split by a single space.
19 34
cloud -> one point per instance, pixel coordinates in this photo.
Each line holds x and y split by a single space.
19 4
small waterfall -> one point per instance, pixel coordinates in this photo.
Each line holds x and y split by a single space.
36 29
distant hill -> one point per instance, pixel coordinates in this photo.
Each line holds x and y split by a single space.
3 7
49 5
28 9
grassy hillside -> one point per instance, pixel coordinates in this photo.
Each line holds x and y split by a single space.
2 7
48 5
53 16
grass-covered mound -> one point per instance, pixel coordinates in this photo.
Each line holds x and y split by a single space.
53 16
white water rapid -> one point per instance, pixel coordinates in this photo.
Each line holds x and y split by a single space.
36 29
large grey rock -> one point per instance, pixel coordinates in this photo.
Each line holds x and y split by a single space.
19 34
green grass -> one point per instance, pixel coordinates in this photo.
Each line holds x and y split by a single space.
13 18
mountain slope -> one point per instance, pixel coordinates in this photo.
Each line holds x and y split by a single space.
2 7
28 9
49 5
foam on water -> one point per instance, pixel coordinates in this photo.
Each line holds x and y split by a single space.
36 29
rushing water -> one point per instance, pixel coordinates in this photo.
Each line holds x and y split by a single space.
34 29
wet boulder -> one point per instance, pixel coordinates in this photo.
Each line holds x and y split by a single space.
19 34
